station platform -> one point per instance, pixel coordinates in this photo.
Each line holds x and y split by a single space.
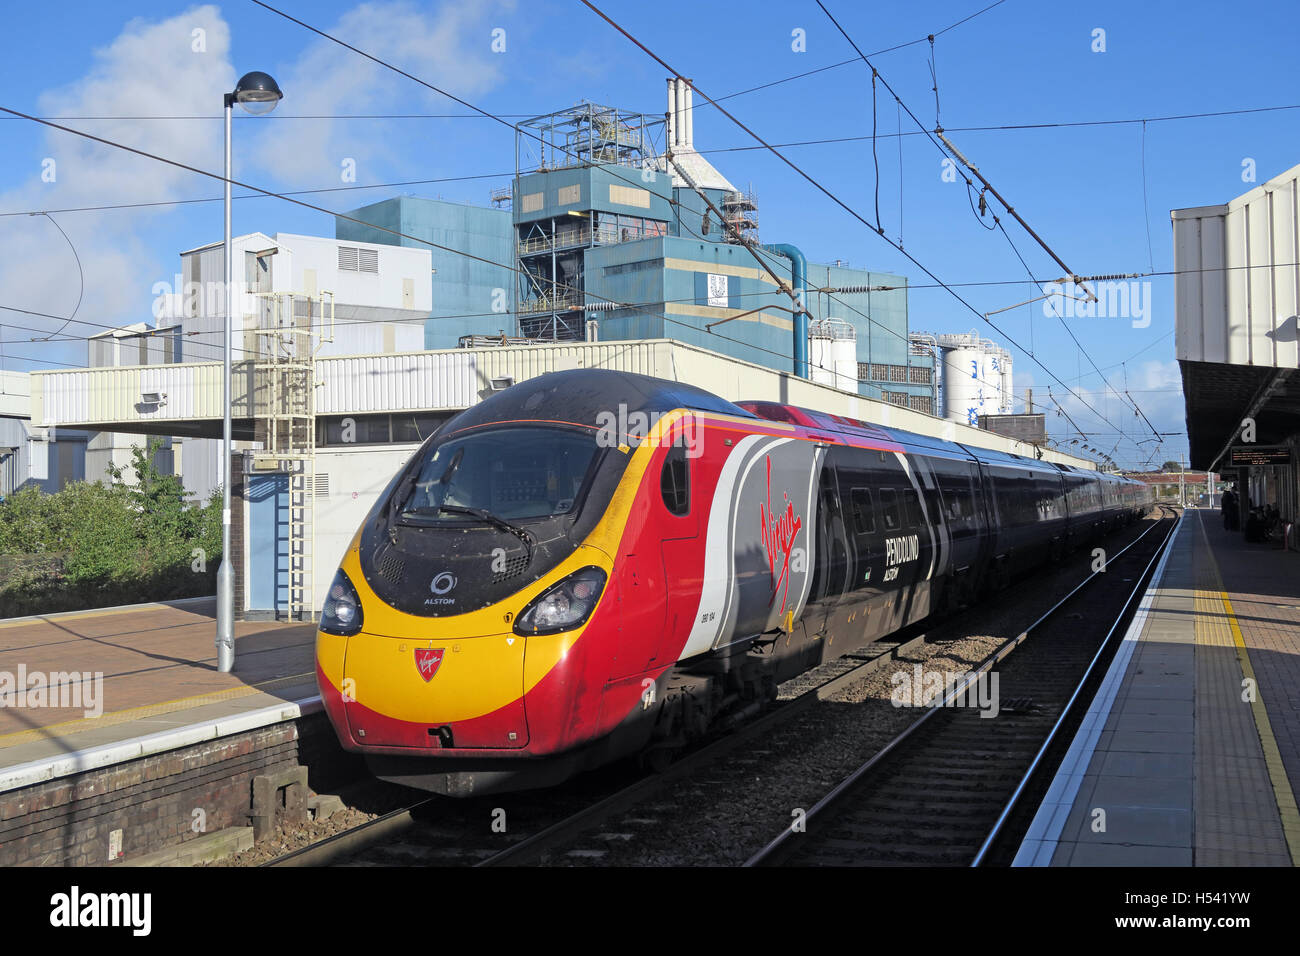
159 688
1190 753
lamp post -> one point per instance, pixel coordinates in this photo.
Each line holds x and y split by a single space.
257 93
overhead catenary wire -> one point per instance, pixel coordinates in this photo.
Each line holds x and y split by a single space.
81 272
270 194
827 192
1070 332
1004 127
988 187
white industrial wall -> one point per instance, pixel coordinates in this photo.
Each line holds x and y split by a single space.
198 463
457 378
355 477
374 312
15 454
1237 283
384 289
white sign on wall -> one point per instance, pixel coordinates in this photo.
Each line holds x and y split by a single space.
718 291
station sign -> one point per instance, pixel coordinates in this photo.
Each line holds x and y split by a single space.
1246 456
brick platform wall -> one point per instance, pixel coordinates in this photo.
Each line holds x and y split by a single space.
67 821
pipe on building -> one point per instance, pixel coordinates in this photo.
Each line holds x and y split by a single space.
688 116
681 113
672 111
799 279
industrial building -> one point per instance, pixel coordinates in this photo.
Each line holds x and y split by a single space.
370 413
347 297
31 455
1236 296
135 344
607 237
622 248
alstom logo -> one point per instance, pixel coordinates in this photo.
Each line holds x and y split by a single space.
440 585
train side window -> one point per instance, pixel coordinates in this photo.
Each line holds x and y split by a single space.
932 507
889 509
864 519
911 508
674 482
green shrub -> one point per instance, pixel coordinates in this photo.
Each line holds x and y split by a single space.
96 545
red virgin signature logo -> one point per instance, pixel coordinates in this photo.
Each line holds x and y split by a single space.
778 538
427 661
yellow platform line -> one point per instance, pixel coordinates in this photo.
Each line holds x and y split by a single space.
37 619
1282 792
113 718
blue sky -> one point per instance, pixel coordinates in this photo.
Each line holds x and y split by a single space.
1022 62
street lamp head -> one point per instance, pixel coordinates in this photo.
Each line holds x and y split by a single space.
257 93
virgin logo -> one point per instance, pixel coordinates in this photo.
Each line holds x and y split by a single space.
779 532
427 660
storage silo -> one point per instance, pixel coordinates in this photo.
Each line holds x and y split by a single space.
1007 382
976 377
833 354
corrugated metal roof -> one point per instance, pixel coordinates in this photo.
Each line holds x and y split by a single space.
1237 284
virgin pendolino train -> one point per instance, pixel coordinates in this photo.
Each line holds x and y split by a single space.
592 564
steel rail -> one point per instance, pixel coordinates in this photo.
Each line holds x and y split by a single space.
768 852
1066 712
530 849
349 842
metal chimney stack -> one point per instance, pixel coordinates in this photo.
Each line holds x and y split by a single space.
681 123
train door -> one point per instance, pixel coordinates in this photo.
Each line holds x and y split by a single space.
962 522
987 518
899 514
645 584
921 504
831 543
863 603
680 550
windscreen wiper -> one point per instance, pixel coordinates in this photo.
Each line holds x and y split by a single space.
396 503
483 514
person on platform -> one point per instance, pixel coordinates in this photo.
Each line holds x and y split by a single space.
1229 506
1255 526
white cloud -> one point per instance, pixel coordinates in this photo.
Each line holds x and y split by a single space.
1156 386
152 68
149 69
449 48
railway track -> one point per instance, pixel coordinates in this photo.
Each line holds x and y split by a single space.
447 832
955 788
542 824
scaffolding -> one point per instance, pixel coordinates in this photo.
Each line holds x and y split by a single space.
587 134
740 210
550 252
289 331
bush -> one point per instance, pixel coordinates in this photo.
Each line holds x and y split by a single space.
96 545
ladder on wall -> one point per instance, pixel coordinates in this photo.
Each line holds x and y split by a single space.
290 330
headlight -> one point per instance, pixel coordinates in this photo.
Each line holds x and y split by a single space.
565 606
342 611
